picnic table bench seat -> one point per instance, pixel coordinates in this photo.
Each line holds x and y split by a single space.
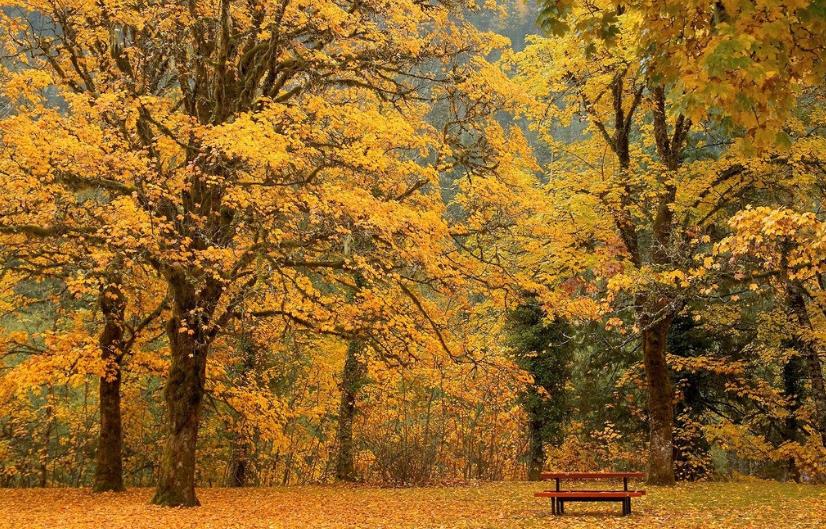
577 493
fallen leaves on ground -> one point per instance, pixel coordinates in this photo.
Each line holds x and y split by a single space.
752 504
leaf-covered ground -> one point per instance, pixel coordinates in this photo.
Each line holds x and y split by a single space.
496 505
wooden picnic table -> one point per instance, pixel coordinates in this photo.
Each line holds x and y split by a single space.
559 497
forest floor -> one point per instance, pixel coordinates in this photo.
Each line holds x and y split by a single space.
748 504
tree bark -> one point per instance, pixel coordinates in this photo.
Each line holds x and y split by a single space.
351 381
660 406
109 468
184 395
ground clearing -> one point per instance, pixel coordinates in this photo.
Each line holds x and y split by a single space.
751 504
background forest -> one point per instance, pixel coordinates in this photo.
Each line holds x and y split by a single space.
410 242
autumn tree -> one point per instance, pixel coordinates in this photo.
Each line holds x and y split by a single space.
664 180
240 147
55 237
118 319
728 59
786 244
118 337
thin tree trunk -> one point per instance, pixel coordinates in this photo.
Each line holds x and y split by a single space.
536 448
109 468
239 458
44 458
811 360
660 406
691 449
351 382
184 395
792 388
237 472
815 372
690 446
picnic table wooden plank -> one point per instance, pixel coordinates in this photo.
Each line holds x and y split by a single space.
591 475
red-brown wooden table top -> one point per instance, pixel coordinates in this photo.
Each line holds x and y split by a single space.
592 475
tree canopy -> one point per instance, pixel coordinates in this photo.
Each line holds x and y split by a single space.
301 240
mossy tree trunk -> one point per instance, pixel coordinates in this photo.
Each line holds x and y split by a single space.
536 443
660 403
189 340
109 468
352 380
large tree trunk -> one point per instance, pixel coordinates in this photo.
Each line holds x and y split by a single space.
184 395
660 405
351 382
109 469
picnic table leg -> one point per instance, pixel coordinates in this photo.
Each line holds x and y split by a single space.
553 505
557 500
